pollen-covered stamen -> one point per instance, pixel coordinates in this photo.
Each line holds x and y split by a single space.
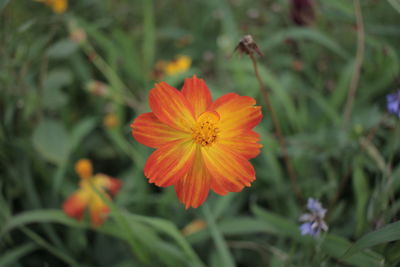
205 132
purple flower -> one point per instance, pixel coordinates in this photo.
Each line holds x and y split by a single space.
313 221
315 207
393 103
305 229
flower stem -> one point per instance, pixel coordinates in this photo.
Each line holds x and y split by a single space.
278 132
357 64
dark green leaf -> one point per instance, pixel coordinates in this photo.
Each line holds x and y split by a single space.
62 49
388 233
51 140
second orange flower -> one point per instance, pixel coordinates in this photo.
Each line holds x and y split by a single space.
200 144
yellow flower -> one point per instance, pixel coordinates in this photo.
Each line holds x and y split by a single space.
179 65
58 6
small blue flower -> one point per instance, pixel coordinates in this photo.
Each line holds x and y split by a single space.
393 103
305 229
315 207
314 221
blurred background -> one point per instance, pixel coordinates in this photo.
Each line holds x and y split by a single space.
74 74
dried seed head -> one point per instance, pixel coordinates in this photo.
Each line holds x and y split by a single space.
248 46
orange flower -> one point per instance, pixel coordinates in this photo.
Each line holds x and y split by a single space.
201 145
87 197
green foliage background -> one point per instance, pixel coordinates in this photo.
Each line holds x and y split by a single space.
49 120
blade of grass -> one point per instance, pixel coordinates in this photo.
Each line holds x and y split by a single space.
13 255
304 34
169 229
53 250
395 4
125 228
35 201
222 248
361 192
54 216
388 233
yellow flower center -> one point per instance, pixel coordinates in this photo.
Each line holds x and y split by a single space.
206 130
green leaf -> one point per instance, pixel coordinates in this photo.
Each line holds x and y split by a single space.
167 253
62 49
304 34
38 216
225 255
11 257
57 78
54 99
388 233
361 191
54 216
81 130
60 253
395 4
232 227
169 229
51 140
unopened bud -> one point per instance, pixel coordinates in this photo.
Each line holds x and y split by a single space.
78 36
97 88
110 121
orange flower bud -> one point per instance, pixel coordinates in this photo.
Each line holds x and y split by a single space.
110 121
84 168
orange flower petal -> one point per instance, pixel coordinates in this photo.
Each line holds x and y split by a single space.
75 204
98 211
192 189
237 113
150 131
170 162
106 183
218 187
244 144
171 107
114 185
230 171
196 91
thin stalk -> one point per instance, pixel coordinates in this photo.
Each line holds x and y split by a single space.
121 93
358 63
278 132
